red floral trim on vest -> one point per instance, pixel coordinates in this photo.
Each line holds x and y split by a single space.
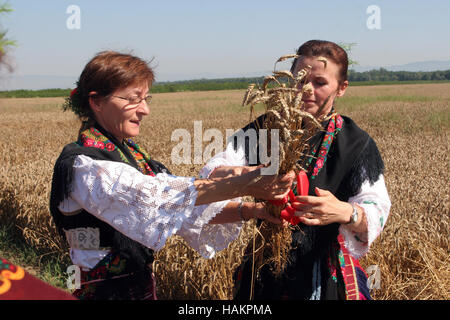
334 126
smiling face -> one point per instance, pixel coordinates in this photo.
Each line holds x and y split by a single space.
117 115
325 82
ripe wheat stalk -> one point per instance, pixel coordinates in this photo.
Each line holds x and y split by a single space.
284 112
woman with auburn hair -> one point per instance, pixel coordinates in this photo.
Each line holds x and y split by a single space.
347 203
116 205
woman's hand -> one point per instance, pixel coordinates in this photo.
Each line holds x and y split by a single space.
268 187
260 212
228 171
251 183
322 210
249 210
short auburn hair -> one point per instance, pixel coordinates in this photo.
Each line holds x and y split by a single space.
107 72
327 49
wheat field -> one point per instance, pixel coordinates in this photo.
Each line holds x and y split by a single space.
410 124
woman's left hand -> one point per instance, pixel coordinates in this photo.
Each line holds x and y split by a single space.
260 212
322 210
228 171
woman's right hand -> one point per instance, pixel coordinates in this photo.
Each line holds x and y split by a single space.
251 183
230 171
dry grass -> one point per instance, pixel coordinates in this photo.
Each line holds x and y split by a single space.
410 124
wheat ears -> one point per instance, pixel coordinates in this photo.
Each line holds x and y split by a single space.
284 111
281 93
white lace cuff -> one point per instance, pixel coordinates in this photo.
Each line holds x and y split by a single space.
374 199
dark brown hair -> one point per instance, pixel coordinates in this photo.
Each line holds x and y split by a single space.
327 49
104 74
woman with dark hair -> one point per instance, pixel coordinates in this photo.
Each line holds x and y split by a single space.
347 206
116 205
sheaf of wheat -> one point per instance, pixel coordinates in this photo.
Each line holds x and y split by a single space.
281 93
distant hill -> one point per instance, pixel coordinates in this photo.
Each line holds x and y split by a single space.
426 66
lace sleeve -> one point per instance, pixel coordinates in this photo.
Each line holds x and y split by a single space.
374 199
208 239
146 209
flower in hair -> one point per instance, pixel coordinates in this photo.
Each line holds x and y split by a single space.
74 91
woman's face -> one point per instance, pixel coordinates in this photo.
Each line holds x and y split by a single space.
117 115
324 79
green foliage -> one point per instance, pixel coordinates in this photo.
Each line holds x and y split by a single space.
205 85
5 43
4 7
348 48
46 93
355 79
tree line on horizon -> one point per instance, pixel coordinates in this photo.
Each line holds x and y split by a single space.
372 77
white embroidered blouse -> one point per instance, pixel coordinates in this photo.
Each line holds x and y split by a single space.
146 209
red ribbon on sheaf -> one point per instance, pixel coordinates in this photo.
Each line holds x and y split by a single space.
288 213
73 92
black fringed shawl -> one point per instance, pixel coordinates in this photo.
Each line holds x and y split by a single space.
352 159
138 257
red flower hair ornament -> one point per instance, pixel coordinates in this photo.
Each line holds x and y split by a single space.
74 91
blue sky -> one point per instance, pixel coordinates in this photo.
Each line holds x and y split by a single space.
199 38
